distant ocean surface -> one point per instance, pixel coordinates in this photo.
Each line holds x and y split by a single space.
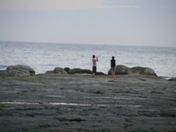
46 56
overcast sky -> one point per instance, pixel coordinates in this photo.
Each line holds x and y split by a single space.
122 22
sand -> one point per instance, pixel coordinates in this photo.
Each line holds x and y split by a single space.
71 103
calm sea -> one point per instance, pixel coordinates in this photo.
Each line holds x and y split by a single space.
46 56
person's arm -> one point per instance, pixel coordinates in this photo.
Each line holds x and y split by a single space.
96 58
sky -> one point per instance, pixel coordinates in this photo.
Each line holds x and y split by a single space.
121 22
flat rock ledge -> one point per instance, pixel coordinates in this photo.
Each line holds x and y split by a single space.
80 103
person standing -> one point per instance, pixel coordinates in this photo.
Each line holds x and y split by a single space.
113 64
94 65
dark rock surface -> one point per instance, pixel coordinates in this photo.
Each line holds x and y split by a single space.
79 102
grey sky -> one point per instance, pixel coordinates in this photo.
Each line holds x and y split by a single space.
131 22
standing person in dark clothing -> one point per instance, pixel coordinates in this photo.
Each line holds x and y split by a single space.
94 65
113 64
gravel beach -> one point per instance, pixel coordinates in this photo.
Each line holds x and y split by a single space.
79 102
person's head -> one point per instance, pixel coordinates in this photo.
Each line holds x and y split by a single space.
93 56
113 57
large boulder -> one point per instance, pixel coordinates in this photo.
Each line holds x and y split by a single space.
143 70
120 69
19 70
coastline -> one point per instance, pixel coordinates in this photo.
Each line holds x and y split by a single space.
78 102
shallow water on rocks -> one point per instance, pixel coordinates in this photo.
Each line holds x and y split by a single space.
68 104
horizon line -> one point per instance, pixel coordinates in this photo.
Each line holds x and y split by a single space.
69 43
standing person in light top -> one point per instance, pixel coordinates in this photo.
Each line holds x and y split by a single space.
94 65
113 64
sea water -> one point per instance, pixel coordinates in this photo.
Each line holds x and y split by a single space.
43 57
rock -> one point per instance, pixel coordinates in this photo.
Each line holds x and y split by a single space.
172 79
81 71
57 70
78 70
3 73
120 69
67 69
100 73
99 92
143 71
49 72
19 70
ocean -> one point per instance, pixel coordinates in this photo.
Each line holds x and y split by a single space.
43 57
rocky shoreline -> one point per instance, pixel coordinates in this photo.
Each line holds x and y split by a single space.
59 100
23 70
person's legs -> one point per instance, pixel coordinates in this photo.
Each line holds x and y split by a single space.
94 69
113 71
93 74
